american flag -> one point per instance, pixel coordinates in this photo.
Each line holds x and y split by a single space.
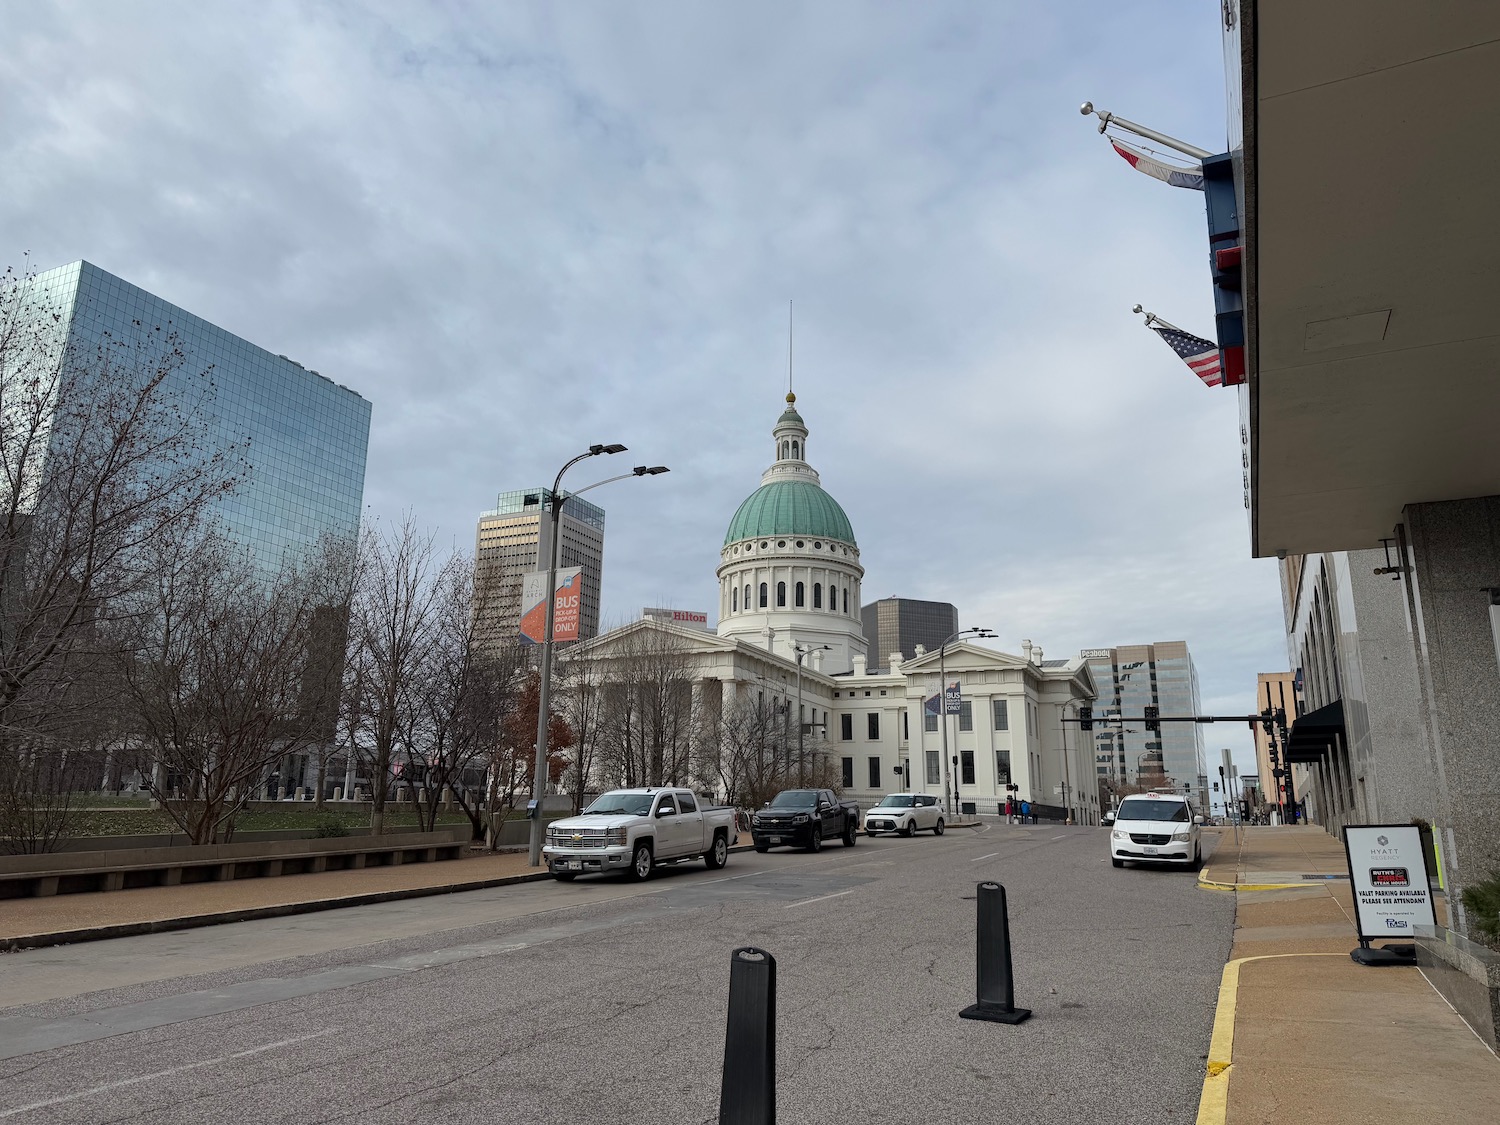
1201 356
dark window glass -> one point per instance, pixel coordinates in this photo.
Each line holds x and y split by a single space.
1002 715
872 719
801 595
934 763
684 802
734 601
966 766
965 714
780 596
817 596
848 772
874 773
1002 766
762 595
846 728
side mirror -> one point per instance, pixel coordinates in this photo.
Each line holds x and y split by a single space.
1197 820
665 811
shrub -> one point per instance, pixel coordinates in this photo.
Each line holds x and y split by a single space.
1482 901
329 828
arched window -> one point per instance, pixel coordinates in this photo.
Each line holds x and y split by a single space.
796 449
817 595
747 596
734 600
762 595
781 593
846 599
801 595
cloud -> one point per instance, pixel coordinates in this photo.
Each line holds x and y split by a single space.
520 229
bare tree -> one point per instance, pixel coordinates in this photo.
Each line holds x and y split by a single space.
393 619
104 449
647 727
580 695
226 672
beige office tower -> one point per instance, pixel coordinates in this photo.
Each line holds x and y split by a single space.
513 540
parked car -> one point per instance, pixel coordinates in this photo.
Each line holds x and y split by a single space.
906 813
804 818
633 830
1106 820
1156 828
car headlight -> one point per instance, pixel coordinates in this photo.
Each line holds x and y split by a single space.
801 818
1183 834
618 837
1117 835
755 820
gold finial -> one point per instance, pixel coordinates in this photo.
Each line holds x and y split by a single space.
790 398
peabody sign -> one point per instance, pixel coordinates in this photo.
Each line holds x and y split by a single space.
1388 874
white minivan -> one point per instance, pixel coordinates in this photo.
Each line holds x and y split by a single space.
1156 828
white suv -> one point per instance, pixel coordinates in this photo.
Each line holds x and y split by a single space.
1156 828
905 813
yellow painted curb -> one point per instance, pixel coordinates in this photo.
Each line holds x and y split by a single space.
1212 885
1213 1103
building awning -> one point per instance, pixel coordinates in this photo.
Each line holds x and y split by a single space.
1312 735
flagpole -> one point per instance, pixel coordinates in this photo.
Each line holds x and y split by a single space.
1152 319
1106 119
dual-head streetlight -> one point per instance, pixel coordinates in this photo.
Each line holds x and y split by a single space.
950 793
555 502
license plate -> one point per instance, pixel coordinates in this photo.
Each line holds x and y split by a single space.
1150 851
575 865
775 840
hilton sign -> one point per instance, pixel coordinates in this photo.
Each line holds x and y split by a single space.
689 619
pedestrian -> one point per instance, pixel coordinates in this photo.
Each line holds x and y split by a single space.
1025 810
1008 814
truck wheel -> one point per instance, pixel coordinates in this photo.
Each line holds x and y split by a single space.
565 876
816 843
938 828
717 855
909 829
851 834
640 863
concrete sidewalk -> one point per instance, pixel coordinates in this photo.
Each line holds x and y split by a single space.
1304 1033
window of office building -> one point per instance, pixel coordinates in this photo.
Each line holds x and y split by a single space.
846 727
966 767
966 715
873 720
934 765
874 773
848 773
1002 715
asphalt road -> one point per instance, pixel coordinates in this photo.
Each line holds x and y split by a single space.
605 1001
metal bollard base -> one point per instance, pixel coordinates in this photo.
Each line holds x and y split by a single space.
995 1013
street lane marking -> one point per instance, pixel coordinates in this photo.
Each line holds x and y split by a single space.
164 1073
977 858
1064 836
725 879
820 898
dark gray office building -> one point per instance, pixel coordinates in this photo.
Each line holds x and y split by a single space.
901 624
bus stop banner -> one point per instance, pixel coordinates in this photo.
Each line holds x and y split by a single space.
565 617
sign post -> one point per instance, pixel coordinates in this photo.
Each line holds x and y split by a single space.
1388 876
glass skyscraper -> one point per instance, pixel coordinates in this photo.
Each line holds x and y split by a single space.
306 435
901 624
1129 678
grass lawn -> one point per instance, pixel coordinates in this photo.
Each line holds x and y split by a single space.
145 821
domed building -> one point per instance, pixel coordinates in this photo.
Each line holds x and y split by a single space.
789 570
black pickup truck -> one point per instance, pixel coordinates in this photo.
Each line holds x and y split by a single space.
804 818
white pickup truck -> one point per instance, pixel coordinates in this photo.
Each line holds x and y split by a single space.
632 830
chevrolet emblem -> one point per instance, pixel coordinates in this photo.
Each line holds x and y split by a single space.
578 835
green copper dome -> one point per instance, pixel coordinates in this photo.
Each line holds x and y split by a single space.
790 507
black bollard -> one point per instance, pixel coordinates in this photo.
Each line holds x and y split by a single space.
747 1095
996 1000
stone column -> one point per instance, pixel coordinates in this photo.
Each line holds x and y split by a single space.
1452 549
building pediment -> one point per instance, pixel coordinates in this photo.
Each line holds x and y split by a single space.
966 658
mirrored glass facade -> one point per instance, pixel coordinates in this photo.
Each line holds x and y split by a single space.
307 435
900 624
1129 678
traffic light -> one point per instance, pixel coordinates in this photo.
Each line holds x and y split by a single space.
1153 720
1267 720
1085 718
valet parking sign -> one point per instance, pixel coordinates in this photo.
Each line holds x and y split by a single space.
1388 874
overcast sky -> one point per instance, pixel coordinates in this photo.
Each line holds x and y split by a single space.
519 229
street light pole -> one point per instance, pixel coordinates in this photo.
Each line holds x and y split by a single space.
555 503
801 761
950 794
